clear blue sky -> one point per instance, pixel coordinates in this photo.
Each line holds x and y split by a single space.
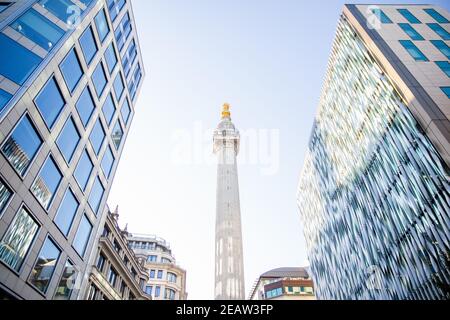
267 58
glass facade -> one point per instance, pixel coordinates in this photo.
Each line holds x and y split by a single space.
71 70
66 212
102 25
85 106
97 136
67 282
88 45
5 195
82 238
110 57
50 102
46 184
96 195
374 194
99 79
84 170
68 140
43 270
109 109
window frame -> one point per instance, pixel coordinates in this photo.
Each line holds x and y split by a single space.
8 202
74 50
81 37
57 118
68 161
69 189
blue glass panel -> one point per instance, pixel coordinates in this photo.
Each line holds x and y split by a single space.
82 238
85 106
46 184
71 70
413 50
97 136
45 266
38 29
118 86
102 25
68 140
110 57
107 162
114 7
88 45
436 15
23 64
96 195
66 212
444 34
99 79
4 6
446 90
445 67
86 2
381 16
442 46
410 31
83 170
109 109
5 195
408 16
22 146
50 102
64 10
4 98
125 111
117 135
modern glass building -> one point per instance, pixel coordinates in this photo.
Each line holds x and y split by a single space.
70 74
374 192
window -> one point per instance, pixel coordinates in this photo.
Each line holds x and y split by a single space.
102 25
160 274
4 6
99 79
71 70
93 292
107 162
111 58
291 289
23 64
86 2
133 85
97 136
118 86
66 212
413 50
88 45
5 195
445 67
101 262
50 102
410 31
125 111
68 140
446 90
157 291
122 31
408 16
152 258
62 9
38 29
22 146
441 32
82 238
117 135
42 272
46 184
165 260
171 277
436 15
96 195
169 294
112 276
109 109
4 98
83 170
114 7
148 290
129 57
442 46
67 282
85 106
152 274
381 16
17 240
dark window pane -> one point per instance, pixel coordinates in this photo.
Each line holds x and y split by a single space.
96 195
109 109
43 270
408 16
68 140
67 282
102 25
118 87
5 195
71 70
88 45
107 162
17 241
85 106
110 57
64 10
436 16
66 212
22 146
4 98
83 170
23 64
46 184
82 238
97 136
117 135
38 29
125 111
99 79
50 102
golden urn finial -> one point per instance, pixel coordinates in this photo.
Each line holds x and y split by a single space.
226 111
